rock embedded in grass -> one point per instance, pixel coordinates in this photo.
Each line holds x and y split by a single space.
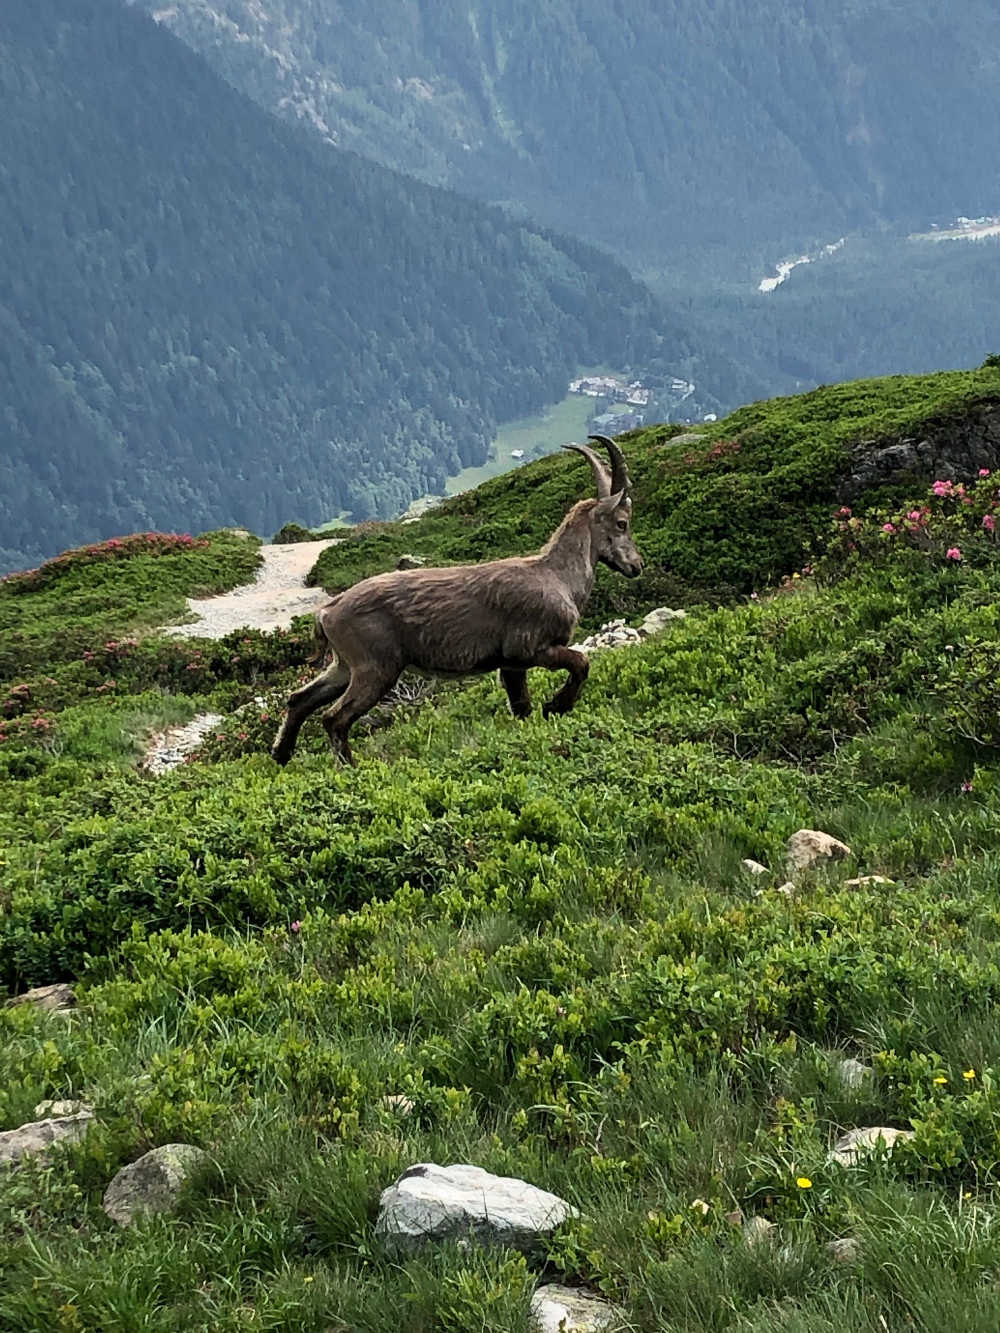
56 999
429 1202
59 1110
558 1309
810 847
754 867
615 634
657 621
153 1183
38 1138
759 1231
853 1074
844 1250
857 1144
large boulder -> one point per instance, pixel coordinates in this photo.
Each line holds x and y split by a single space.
430 1202
38 1138
153 1183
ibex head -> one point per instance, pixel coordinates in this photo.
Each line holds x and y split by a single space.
611 516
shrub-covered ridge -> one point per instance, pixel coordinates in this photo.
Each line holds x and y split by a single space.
543 937
733 511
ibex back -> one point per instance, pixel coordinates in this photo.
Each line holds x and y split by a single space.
505 615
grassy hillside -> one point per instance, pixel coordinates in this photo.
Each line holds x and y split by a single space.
727 513
541 934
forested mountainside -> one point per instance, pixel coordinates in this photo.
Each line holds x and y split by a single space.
672 133
712 958
898 304
209 317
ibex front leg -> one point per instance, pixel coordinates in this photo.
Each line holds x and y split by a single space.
515 682
564 659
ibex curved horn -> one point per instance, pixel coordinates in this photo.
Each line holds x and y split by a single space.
600 472
619 472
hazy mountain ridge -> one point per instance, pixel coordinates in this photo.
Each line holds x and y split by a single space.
661 131
211 318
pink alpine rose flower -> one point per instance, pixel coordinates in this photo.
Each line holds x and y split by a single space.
953 553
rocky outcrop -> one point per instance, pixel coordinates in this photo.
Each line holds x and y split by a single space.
55 999
953 449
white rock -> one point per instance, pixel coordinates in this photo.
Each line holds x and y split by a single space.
60 1110
857 1144
39 1137
558 1309
853 1074
863 881
808 847
755 867
615 634
153 1183
658 620
844 1250
758 1231
408 561
56 999
431 1202
787 890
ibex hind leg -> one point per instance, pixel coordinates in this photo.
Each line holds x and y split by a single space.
576 663
323 689
363 693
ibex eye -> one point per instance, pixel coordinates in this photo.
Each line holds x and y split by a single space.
622 524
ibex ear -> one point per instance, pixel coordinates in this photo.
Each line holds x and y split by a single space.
613 502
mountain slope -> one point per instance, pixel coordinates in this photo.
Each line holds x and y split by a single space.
673 134
207 317
531 945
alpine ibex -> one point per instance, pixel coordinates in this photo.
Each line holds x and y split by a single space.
505 615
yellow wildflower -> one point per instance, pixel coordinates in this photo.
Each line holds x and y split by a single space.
940 1079
804 1183
969 1074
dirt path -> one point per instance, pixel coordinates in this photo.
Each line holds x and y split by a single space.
276 596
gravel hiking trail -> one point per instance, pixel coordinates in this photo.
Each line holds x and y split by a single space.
272 601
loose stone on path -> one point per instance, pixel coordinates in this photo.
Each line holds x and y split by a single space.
167 749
